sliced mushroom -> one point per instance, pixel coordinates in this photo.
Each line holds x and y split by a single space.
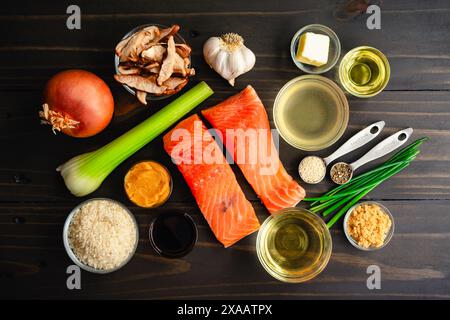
179 65
137 43
154 53
189 71
128 70
168 32
163 33
183 50
152 63
153 67
174 84
148 85
168 63
121 45
142 97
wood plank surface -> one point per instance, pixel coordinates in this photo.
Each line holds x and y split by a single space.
33 262
34 202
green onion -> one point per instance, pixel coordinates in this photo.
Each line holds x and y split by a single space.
346 195
85 173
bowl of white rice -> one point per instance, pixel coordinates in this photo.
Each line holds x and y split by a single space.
100 235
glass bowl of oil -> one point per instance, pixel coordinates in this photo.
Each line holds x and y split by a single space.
294 245
364 72
311 112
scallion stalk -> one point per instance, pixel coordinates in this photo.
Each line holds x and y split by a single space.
344 196
85 173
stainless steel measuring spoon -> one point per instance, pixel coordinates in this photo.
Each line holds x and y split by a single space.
342 172
358 140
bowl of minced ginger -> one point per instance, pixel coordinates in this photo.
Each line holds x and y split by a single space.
369 226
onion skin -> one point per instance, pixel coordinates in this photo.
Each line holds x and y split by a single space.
83 97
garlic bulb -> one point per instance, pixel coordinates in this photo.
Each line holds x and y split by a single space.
228 56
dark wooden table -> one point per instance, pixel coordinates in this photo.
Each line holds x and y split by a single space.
34 203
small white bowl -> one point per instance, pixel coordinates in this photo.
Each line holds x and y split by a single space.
333 53
388 236
72 255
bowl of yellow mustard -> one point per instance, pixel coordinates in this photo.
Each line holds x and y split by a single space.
148 184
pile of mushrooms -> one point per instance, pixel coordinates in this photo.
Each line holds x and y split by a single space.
152 63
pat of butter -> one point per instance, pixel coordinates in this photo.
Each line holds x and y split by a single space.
313 49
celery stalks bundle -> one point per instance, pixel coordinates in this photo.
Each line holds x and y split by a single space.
85 173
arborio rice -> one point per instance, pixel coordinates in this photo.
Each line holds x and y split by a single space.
102 234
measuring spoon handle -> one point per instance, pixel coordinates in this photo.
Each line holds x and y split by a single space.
384 147
358 140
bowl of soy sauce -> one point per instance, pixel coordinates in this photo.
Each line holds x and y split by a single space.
173 235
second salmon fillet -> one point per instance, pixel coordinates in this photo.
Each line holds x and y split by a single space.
244 114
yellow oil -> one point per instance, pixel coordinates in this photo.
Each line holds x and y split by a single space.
311 114
294 245
364 71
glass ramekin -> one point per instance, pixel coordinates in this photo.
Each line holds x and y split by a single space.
177 38
333 53
307 217
72 255
170 186
347 83
388 236
343 105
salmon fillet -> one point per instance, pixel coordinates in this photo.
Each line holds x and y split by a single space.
266 174
213 184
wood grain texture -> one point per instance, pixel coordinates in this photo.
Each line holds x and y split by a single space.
427 178
34 202
33 261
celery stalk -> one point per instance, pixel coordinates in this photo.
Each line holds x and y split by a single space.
85 173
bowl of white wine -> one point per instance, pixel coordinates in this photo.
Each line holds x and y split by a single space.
311 112
294 245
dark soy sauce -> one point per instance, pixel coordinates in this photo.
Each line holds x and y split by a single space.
173 235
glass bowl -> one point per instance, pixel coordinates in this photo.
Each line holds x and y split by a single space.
364 56
177 38
388 236
309 248
170 184
181 225
321 86
72 255
333 53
